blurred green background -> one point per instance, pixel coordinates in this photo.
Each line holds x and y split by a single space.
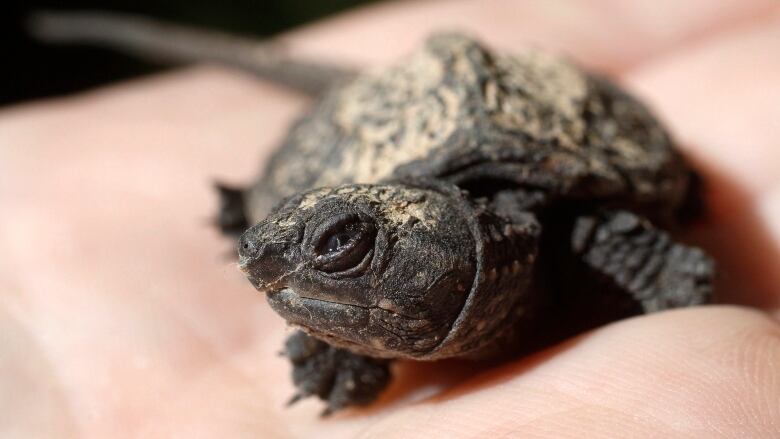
30 70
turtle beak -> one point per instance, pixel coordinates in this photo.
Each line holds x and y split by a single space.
266 253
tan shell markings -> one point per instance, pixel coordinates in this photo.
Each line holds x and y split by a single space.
401 114
398 204
413 114
540 95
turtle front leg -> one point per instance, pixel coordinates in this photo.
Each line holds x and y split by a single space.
231 217
337 376
623 250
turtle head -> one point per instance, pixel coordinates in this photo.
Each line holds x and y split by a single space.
386 270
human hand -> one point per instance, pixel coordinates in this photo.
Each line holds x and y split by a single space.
120 318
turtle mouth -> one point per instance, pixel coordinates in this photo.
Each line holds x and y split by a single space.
321 316
243 265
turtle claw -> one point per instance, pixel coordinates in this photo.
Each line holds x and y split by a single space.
337 376
295 398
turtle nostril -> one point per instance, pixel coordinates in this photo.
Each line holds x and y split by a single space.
246 247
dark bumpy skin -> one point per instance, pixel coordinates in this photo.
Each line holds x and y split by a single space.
391 270
463 204
335 375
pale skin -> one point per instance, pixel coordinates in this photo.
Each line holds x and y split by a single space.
121 317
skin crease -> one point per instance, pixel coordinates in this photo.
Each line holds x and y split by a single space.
119 318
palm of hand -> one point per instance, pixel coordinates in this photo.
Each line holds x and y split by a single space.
120 318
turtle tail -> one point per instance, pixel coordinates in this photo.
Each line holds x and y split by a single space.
231 218
174 44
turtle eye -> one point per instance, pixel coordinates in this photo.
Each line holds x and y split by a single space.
341 239
345 243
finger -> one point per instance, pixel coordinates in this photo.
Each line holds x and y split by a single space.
705 372
720 100
33 401
120 285
606 34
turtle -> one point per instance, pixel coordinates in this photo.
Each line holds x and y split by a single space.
463 203
454 204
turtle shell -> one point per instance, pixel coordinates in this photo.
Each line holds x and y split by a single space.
455 110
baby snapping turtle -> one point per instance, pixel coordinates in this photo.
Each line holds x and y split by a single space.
463 204
460 204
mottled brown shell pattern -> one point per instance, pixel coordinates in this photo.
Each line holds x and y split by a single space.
454 104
